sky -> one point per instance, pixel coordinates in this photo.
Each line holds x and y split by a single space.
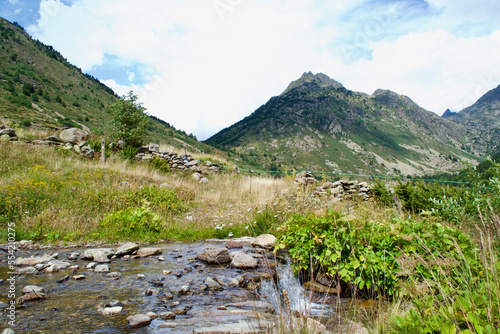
203 65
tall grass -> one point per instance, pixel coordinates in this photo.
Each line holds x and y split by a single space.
56 196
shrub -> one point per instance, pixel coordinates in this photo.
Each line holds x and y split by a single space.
373 257
130 223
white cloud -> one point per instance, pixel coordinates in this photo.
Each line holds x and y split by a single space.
208 68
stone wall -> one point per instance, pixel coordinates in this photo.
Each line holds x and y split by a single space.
343 189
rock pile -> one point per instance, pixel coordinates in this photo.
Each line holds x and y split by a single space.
178 161
342 189
8 135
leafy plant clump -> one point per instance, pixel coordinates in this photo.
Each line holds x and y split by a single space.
130 223
374 258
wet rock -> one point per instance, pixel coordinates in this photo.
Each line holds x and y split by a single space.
141 276
101 257
32 261
181 310
62 280
145 252
167 315
8 331
27 271
91 265
152 315
253 305
180 290
114 275
212 284
127 249
316 287
30 297
231 244
215 256
78 277
112 310
242 260
102 268
56 265
89 253
265 241
3 305
32 288
230 281
74 256
138 320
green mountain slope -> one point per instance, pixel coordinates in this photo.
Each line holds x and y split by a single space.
41 89
316 123
482 120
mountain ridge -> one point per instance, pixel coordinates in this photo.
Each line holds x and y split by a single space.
382 132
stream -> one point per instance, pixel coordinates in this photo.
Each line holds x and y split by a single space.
152 284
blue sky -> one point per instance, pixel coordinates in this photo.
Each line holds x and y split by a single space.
203 65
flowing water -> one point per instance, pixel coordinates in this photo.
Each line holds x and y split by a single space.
73 306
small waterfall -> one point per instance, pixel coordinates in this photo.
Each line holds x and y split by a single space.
299 299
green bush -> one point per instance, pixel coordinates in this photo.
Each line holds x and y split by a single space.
130 223
375 257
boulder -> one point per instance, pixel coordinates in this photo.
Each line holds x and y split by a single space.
74 136
197 176
56 265
112 310
180 290
30 297
4 138
212 284
242 260
127 249
8 132
145 252
89 253
215 256
234 244
316 287
27 271
31 261
265 241
167 315
204 180
138 320
32 288
102 268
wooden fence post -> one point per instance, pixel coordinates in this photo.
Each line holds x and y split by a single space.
103 151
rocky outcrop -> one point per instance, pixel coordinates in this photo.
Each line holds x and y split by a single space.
8 135
74 136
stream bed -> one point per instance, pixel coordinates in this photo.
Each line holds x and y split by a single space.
155 284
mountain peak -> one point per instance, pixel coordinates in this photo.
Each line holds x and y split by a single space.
491 96
448 113
320 79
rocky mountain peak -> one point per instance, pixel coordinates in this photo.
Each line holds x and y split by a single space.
320 79
491 96
448 113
